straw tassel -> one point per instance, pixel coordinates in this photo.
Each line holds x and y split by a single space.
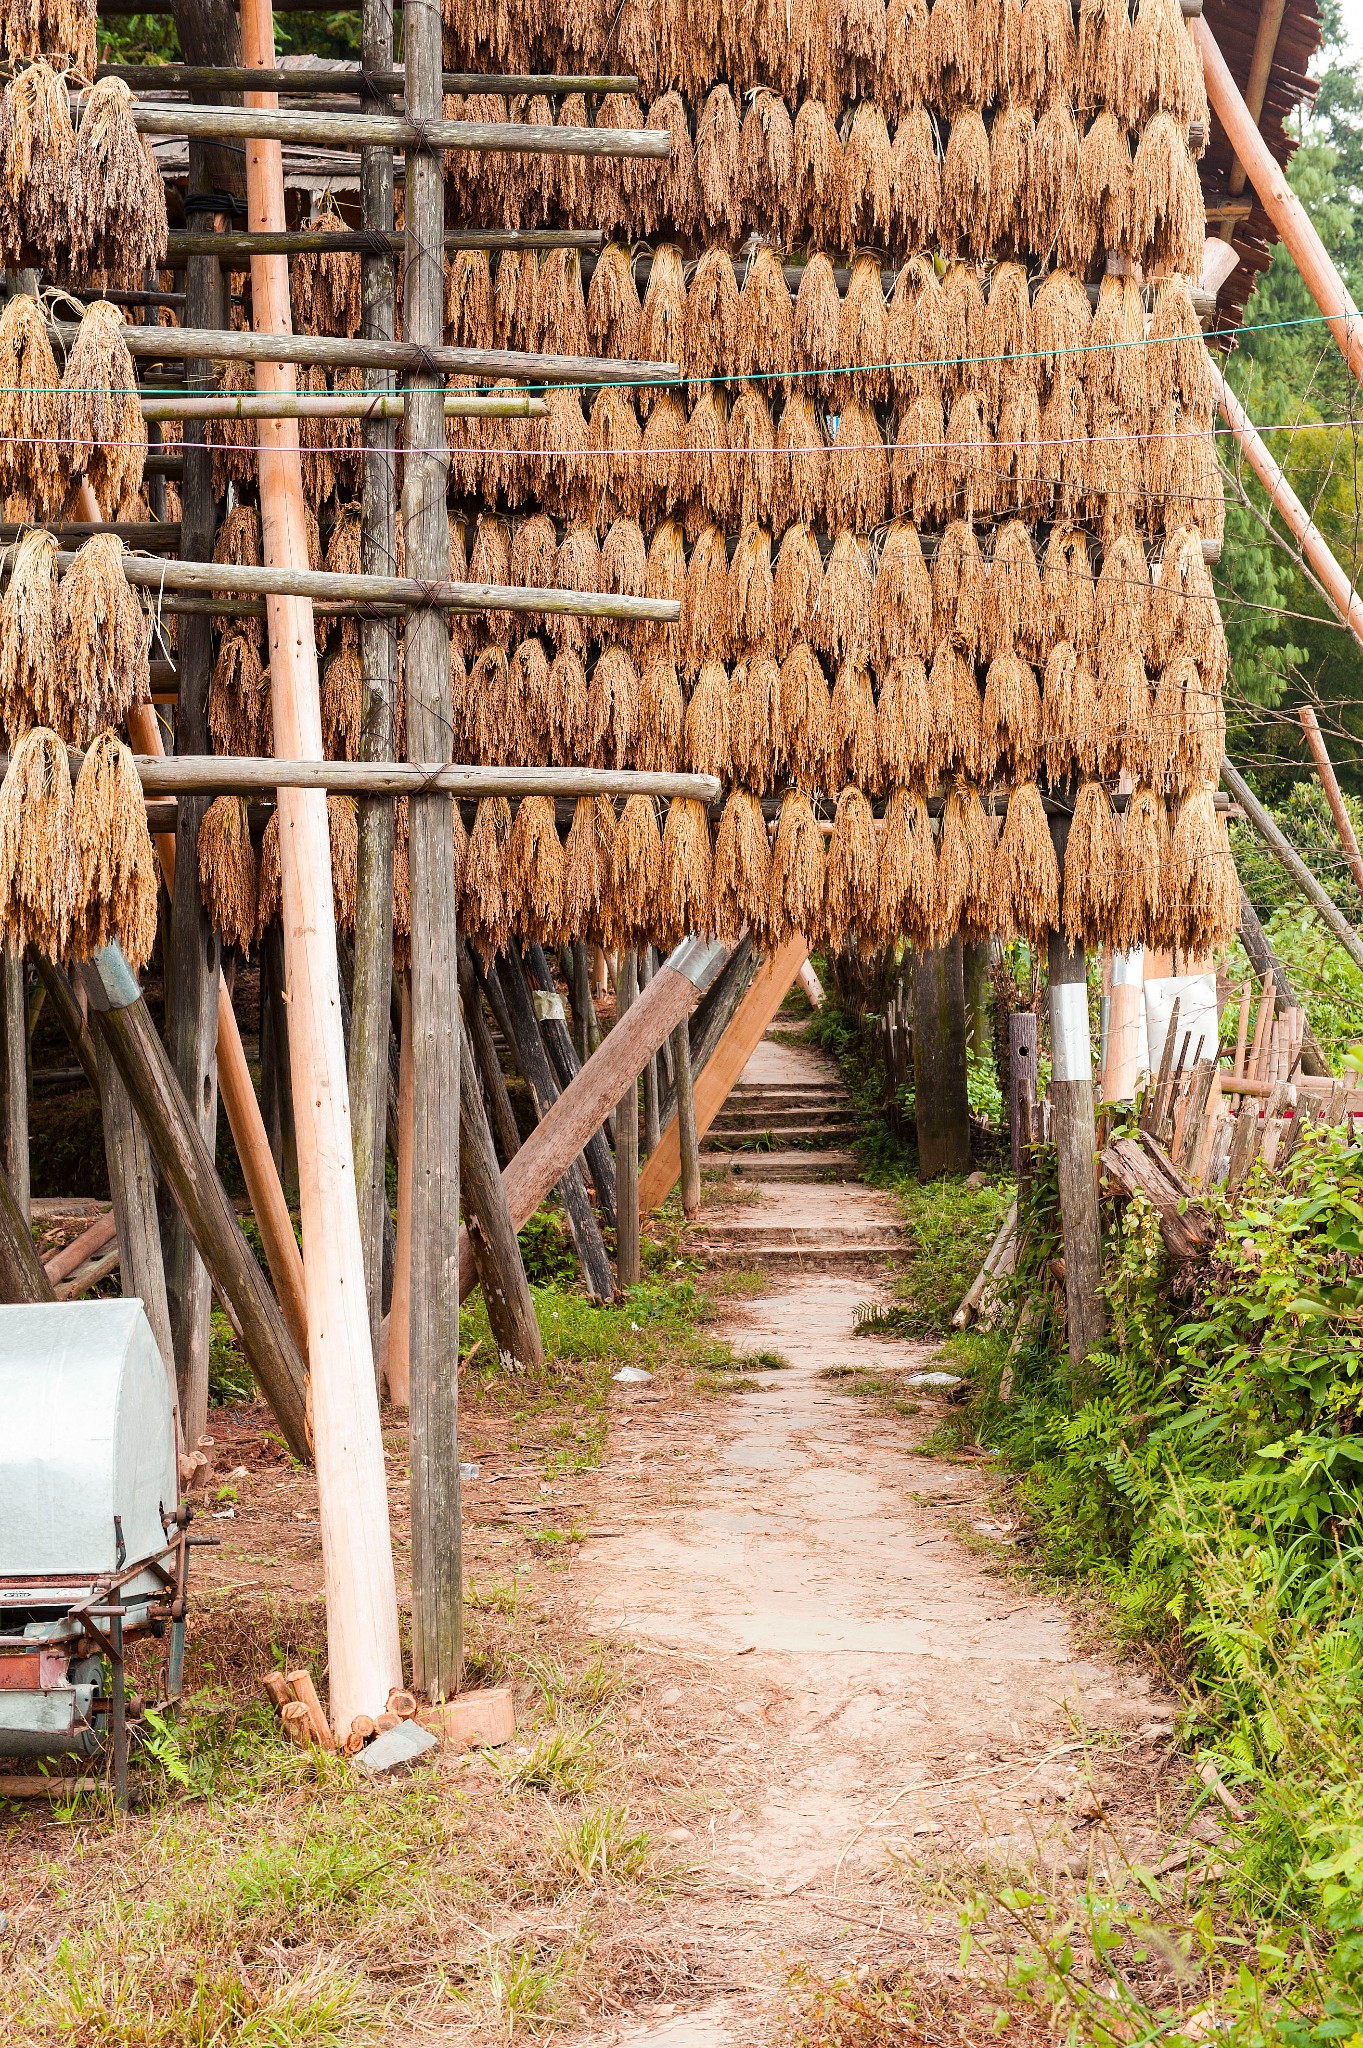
101 636
612 708
1069 715
1188 739
1104 67
1011 720
1092 870
800 482
468 299
1178 365
227 872
954 701
1046 54
117 222
1202 892
718 138
101 415
28 630
534 872
115 862
1012 144
855 751
749 594
965 859
969 459
959 590
796 587
963 221
661 333
956 58
906 735
766 164
636 872
662 713
901 605
577 567
918 475
858 469
754 720
905 76
742 873
516 300
1025 878
483 903
666 470
805 717
240 716
1061 322
712 469
563 310
342 704
818 313
705 600
1014 610
624 573
863 341
1124 733
852 877
753 440
671 198
842 625
616 442
712 318
797 869
819 175
965 329
866 198
1055 225
32 472
707 723
1145 832
766 320
37 144
686 896
1018 451
613 309
38 876
1168 219
915 180
1115 367
1123 598
587 865
1184 614
666 578
907 880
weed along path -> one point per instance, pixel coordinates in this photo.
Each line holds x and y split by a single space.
868 1701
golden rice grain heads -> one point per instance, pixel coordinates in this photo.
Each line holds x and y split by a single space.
587 866
114 857
483 902
713 318
686 898
1145 836
102 638
636 873
118 204
959 589
718 137
1069 715
707 742
957 713
612 708
39 880
741 879
863 341
964 216
754 720
797 869
841 627
1201 889
1168 218
227 871
818 314
766 164
965 858
796 587
1014 607
1011 720
901 603
534 872
915 180
907 735
101 415
37 144
867 208
662 716
1188 728
852 728
1092 869
805 715
32 471
705 600
800 485
1026 874
28 631
613 310
907 872
748 596
819 175
1124 709
1184 616
852 876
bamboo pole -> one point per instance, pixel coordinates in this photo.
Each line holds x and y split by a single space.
246 774
1338 590
183 242
1325 768
334 405
1280 202
376 81
1287 857
336 352
332 129
357 1556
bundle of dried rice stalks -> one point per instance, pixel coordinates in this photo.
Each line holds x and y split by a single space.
959 589
1178 365
1008 339
1168 214
852 876
661 334
908 738
797 869
1063 447
800 482
28 631
841 627
748 598
1184 616
766 332
1045 53
1025 881
1104 69
1200 501
1069 715
118 204
665 577
490 562
905 76
969 457
1123 598
818 313
754 719
1093 870
228 880
863 338
957 736
919 485
534 553
101 416
36 149
488 731
858 487
1068 590
901 603
1188 729
965 858
766 164
1116 365
468 299
1061 322
907 874
672 194
566 739
32 476
964 216
712 318
1201 889
662 713
1115 481
39 881
1124 733
1164 70
270 878
531 693
854 750
1101 218
483 905
956 56
686 900
819 174
856 44
516 300
958 329
533 875
1011 720
711 462
613 309
915 181
578 567
624 573
752 438
342 700
55 28
867 202
102 640
1055 224
325 283
612 708
705 600
616 445
741 888
587 866
1014 607
718 135
1017 452
563 310
805 718
115 862
232 440
1145 847
636 873
240 718
795 587
666 468
707 723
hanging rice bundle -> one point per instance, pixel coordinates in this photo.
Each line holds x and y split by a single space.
1011 720
915 180
1145 831
587 865
741 886
856 42
818 314
866 198
616 445
748 601
490 731
712 318
624 573
686 897
37 146
1123 598
819 175
906 733
858 491
970 460
39 882
636 873
270 878
796 587
490 562
957 740
852 876
800 477
530 690
1025 879
28 631
612 708
666 468
484 910
1115 367
577 567
115 863
963 218
1061 322
766 320
904 75
533 560
907 873
1102 214
841 626
1008 341
1064 446
963 338
102 646
1104 69
566 177
1046 54
101 415
227 872
705 601
752 439
919 485
1200 502
754 719
718 137
854 748
901 603
1201 890
32 475
1161 77
1115 481
1188 729
959 589
671 196
1017 451
324 283
516 300
707 723
1055 224
1178 365
240 716
1068 592
1093 869
117 225
63 28
237 544
665 577
662 714
1184 615
956 56
534 872
797 868
1168 220
618 184
712 473
965 859
1012 143
766 164
805 717
902 336
563 310
863 340
1124 734
1069 715
1015 612
661 336
566 727
613 310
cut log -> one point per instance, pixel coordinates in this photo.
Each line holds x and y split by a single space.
1142 1166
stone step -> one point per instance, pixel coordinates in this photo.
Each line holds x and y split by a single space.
819 1255
823 1137
775 1116
857 1230
814 1165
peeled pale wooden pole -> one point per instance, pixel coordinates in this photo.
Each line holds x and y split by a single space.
1325 768
1280 202
1121 1067
1076 1135
357 1555
397 1358
627 1146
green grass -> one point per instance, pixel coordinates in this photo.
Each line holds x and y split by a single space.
949 1228
601 1847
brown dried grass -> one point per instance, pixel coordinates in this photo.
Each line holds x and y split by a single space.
800 487
1062 320
101 416
1124 712
1178 365
960 594
1014 606
567 734
805 717
1168 218
963 220
904 77
516 316
852 876
863 335
867 200
1145 835
32 472
901 603
796 586
919 485
37 146
102 639
636 873
612 708
1057 225
39 881
1102 217
28 631
587 865
1201 890
797 868
614 314
741 876
915 180
577 567
666 578
712 475
1123 599
906 734
718 138
965 859
819 174
712 318
766 165
1046 54
907 880
662 717
705 601
1104 69
1188 729
1068 590
707 723
748 597
116 891
563 310
531 693
1092 869
853 731
818 314
858 490
666 479
228 879
752 438
533 873
483 905
1025 880
240 715
672 194
957 713
754 720
841 626
766 320
662 319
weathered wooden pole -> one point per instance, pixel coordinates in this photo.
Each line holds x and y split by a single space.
1265 962
941 1098
1022 1089
489 1066
132 1185
14 1077
1285 853
686 1123
652 1125
496 1248
362 1619
1075 1131
397 1364
563 1058
21 1273
437 1568
627 1145
1325 768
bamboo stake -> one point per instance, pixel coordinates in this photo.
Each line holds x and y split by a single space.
1266 964
362 1620
334 405
183 242
1325 768
1287 857
1263 1025
377 81
330 129
1242 1030
1280 202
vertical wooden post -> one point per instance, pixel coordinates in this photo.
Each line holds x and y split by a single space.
1022 1042
534 971
22 1278
371 1026
14 1077
1076 1136
492 1233
1266 964
192 983
357 1553
437 1582
488 1065
686 1121
942 1103
627 1147
133 1188
652 1125
397 1363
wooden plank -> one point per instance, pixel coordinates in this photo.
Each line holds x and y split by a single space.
262 118
14 1077
488 1066
627 1142
492 1232
1140 1166
766 992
